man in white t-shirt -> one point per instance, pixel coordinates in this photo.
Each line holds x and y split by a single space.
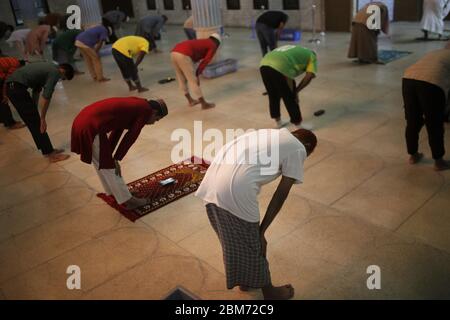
231 188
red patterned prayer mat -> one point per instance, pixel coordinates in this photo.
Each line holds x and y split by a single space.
189 175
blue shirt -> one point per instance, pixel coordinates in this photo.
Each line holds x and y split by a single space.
92 36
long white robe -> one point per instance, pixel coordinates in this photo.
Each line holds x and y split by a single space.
434 13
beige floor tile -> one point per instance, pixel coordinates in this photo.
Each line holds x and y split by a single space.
34 213
430 223
179 219
381 199
50 240
408 271
99 260
31 188
338 175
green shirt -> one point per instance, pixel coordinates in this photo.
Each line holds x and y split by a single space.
38 75
291 61
65 40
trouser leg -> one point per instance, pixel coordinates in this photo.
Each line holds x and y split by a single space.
413 115
432 100
28 111
113 184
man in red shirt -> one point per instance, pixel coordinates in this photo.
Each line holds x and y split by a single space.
184 55
7 66
96 132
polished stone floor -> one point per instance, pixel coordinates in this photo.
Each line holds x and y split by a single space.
361 203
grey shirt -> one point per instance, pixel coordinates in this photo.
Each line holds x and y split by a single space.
149 25
116 17
36 76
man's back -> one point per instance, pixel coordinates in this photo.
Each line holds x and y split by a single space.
243 166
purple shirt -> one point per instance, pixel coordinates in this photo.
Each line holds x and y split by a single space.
92 36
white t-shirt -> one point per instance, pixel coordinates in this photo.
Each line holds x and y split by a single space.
235 177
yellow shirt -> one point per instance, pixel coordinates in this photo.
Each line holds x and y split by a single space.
131 46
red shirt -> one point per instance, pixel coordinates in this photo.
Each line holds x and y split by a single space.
202 49
7 67
113 116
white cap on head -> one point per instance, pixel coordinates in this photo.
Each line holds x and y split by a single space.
216 36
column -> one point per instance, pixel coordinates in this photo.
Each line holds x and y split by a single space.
91 13
207 17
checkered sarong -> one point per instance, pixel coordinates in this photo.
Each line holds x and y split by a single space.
242 252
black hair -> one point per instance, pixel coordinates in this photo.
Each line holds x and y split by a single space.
165 17
160 107
69 72
10 28
22 63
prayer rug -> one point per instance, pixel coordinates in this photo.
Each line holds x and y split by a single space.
188 175
388 56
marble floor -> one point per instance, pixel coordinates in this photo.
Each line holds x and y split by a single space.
361 203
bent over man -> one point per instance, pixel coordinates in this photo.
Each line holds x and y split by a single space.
230 190
96 132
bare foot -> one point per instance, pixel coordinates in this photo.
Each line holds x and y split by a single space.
207 105
415 158
57 157
193 103
135 203
441 165
104 80
278 293
17 125
142 89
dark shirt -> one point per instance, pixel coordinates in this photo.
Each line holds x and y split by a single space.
273 19
65 40
36 76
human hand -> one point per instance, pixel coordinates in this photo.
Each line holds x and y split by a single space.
43 126
118 169
263 245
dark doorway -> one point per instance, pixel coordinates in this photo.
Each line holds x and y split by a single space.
410 10
338 15
122 5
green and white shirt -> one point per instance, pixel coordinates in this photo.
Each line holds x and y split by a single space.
291 61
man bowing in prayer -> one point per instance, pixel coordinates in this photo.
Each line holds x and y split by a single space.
434 13
364 42
96 132
231 188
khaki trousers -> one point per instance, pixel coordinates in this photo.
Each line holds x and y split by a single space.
185 71
92 60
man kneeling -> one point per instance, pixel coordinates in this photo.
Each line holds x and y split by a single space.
230 189
112 116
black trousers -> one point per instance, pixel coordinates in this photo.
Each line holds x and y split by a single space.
266 37
28 111
424 105
126 65
6 116
279 87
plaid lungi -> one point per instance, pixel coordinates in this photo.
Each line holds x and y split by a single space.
242 252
